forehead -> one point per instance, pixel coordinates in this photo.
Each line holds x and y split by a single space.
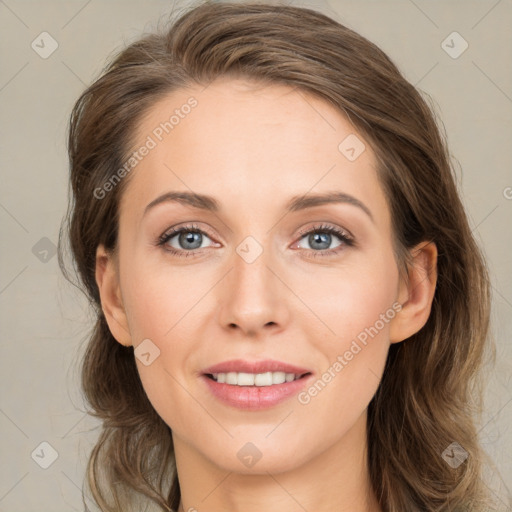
251 145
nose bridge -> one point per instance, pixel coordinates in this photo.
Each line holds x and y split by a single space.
251 263
252 294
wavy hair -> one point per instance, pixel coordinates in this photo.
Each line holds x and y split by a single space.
431 391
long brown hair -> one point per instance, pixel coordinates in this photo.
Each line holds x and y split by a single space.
431 389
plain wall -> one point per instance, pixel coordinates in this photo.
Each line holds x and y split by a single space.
44 320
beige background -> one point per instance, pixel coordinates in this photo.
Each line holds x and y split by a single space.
44 321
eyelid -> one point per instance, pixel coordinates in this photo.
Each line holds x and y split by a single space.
346 238
173 230
326 226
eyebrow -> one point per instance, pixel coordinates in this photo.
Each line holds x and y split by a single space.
296 203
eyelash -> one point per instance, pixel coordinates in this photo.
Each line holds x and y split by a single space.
347 239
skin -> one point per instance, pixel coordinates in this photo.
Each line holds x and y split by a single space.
252 148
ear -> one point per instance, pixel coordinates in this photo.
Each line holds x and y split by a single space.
107 279
416 293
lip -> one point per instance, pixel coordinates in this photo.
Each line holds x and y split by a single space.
268 365
255 398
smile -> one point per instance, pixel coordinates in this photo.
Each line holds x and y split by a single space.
263 393
254 379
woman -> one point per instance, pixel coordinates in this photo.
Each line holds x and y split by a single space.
316 346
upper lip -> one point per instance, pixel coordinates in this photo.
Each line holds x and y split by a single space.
268 365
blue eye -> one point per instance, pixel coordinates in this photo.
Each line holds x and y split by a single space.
321 237
189 240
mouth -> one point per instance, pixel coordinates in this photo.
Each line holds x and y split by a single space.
255 379
269 372
255 385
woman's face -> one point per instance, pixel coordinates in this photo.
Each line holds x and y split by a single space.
247 281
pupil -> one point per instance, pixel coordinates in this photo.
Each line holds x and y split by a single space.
189 238
321 238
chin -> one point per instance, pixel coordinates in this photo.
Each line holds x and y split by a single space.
257 457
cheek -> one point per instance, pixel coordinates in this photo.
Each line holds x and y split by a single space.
356 308
353 365
342 303
166 308
160 300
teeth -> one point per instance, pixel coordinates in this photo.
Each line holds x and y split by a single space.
254 379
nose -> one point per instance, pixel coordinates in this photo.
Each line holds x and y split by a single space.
252 297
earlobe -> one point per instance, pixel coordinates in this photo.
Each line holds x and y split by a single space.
107 280
416 295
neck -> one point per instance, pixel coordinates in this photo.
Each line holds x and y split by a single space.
336 479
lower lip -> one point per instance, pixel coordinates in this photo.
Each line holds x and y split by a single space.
255 398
